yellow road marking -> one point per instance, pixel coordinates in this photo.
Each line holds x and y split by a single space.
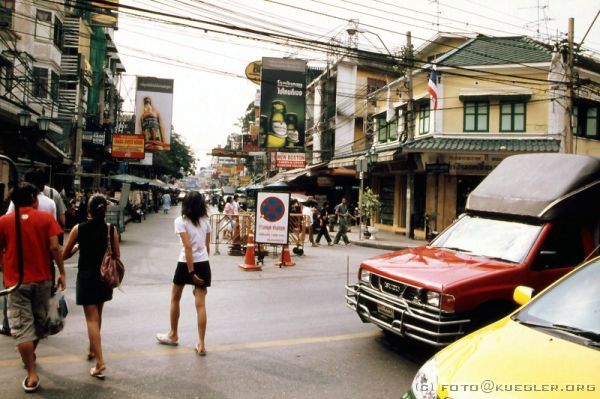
177 351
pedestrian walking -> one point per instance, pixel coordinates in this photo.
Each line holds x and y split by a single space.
36 177
343 215
91 239
82 211
322 222
55 196
193 267
28 305
307 214
166 203
229 211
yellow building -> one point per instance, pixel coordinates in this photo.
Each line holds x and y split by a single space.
495 97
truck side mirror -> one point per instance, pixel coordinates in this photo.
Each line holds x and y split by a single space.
522 294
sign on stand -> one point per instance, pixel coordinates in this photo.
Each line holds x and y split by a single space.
272 218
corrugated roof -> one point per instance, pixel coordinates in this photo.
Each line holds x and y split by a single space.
497 51
517 145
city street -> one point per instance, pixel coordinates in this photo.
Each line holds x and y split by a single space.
271 334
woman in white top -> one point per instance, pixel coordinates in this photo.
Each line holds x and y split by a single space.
193 268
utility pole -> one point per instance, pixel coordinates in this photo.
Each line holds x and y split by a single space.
410 134
78 133
569 91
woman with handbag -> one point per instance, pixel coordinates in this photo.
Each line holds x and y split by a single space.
92 239
193 268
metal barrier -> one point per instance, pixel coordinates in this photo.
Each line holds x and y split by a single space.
232 230
114 215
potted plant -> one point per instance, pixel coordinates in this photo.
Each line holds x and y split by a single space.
370 205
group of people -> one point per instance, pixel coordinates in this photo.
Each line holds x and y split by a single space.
28 304
318 219
42 225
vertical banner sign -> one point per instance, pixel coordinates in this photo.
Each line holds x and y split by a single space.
154 112
282 102
272 218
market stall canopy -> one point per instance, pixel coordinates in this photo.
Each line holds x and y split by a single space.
543 186
278 186
130 179
299 197
256 186
159 184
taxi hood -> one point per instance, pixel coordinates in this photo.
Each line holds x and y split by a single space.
508 360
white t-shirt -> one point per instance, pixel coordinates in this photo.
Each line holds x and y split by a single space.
55 196
196 235
307 211
45 204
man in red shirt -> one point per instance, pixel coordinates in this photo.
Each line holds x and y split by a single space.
28 305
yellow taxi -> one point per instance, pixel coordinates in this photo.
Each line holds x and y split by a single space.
549 348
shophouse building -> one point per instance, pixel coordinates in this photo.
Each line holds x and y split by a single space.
496 96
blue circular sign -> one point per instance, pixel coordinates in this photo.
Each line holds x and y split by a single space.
272 209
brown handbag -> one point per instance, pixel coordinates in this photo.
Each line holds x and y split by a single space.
112 269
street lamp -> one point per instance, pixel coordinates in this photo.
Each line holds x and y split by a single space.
35 134
24 118
43 123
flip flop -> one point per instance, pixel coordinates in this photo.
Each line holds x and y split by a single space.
165 340
30 389
200 352
94 372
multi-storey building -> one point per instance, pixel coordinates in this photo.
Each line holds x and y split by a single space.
496 96
58 67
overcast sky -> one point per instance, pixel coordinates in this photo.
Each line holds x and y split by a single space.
211 92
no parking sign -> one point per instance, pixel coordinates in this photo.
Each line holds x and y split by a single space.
272 218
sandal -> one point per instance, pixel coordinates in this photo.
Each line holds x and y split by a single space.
91 356
98 372
200 352
166 340
28 388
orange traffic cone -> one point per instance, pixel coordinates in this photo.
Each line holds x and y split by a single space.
286 258
249 262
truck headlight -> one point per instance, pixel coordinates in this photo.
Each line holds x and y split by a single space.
365 276
432 298
424 385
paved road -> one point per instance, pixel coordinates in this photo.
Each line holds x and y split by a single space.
271 334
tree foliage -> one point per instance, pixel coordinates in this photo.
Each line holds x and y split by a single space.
179 157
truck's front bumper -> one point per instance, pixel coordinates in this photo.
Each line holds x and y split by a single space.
403 317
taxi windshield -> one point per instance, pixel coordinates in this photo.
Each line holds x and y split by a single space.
492 238
572 306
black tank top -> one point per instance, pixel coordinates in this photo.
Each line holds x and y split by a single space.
92 244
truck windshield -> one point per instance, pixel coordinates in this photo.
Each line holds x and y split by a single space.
498 239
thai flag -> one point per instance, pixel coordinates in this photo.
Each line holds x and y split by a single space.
432 88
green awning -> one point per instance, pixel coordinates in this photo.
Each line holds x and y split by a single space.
508 145
130 179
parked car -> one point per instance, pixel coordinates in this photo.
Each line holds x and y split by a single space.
550 348
531 221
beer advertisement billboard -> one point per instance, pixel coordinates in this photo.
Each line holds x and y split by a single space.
282 103
154 112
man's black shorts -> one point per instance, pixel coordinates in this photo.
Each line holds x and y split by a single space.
182 275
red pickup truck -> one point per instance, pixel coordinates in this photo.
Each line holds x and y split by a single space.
530 221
